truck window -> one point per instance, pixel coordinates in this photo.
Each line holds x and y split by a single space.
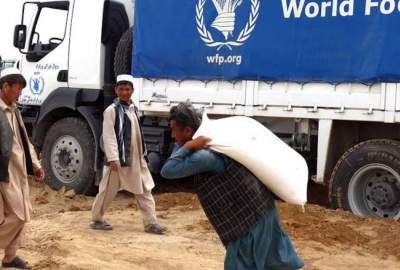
48 33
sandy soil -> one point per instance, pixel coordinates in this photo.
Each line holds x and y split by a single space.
59 236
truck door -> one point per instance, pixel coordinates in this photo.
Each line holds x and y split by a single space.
44 61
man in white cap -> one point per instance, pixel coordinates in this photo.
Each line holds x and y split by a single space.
126 167
17 160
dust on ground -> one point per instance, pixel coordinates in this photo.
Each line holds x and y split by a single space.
60 238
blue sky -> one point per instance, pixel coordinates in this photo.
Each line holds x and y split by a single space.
10 15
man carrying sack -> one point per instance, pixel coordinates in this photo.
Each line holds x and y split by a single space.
240 208
17 160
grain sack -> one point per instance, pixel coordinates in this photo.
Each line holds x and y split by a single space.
278 166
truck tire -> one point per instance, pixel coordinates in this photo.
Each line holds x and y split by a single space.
68 155
366 180
115 23
123 54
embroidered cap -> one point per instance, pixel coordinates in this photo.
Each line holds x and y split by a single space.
9 71
125 78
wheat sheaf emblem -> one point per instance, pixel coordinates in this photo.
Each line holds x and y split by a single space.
225 22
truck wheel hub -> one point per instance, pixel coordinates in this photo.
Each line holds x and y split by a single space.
66 159
383 194
375 190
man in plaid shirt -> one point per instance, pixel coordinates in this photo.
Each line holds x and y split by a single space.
240 208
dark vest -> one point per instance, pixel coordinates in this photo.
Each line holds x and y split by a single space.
234 201
127 130
6 142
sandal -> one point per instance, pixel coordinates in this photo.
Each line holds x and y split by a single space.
155 229
17 262
98 225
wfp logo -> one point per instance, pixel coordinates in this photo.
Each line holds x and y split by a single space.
36 84
225 22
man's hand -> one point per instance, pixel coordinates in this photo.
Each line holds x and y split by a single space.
198 143
115 165
39 175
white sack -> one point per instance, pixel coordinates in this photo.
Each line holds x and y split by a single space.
272 161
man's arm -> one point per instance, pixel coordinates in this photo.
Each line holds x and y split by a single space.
37 167
185 162
35 160
110 139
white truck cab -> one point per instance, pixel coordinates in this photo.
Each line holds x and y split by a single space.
62 45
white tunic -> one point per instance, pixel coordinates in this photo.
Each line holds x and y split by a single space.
15 193
136 178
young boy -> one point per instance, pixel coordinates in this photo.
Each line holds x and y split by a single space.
126 166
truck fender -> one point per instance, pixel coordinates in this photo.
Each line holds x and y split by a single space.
60 99
94 118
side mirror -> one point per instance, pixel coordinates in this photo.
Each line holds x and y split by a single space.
20 36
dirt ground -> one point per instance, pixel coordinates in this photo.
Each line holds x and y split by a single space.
59 236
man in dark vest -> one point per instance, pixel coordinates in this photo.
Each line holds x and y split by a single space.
17 160
240 208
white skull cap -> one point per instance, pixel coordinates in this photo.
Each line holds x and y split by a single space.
125 78
9 71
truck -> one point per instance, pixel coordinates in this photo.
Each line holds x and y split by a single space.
348 131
